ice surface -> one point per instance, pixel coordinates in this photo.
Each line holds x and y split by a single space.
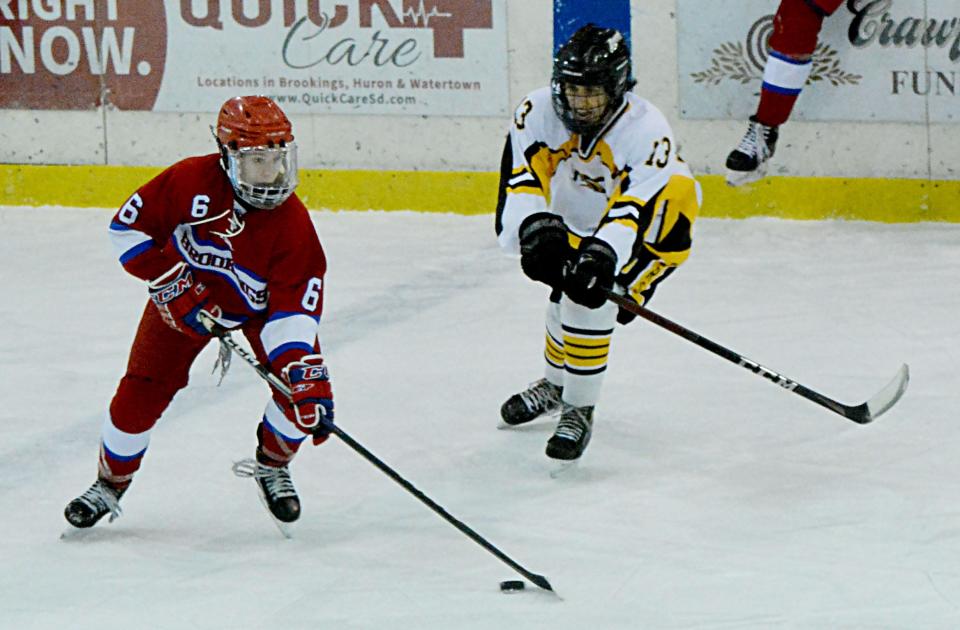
708 497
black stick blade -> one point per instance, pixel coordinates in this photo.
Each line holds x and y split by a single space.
540 581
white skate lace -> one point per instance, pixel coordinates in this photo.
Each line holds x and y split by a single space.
752 144
542 395
573 424
276 479
101 498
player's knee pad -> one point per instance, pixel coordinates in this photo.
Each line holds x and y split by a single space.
796 27
140 401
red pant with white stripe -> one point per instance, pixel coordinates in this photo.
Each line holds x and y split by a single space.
796 28
159 367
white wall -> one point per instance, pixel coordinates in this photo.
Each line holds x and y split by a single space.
474 143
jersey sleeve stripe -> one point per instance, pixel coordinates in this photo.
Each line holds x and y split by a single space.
283 314
653 234
284 333
129 243
293 345
135 251
527 188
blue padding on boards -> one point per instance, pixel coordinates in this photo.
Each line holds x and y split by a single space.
569 15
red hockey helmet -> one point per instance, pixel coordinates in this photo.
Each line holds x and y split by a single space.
259 154
253 121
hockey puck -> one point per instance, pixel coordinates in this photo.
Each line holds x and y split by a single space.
512 586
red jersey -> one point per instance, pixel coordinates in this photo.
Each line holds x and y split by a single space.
257 263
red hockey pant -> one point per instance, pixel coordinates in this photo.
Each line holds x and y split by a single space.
159 367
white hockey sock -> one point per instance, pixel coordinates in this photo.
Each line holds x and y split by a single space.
586 343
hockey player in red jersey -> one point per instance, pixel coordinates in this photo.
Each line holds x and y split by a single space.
222 233
796 27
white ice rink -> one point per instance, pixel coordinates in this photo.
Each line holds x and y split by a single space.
708 499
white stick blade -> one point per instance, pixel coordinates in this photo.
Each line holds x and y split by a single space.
889 395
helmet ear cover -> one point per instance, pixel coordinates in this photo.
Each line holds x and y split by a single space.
593 56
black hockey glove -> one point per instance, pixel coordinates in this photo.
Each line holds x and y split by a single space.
624 316
591 275
543 248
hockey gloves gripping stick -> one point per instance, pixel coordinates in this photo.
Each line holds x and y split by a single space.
310 395
180 298
543 248
590 278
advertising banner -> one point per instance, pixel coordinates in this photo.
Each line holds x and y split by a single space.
420 57
876 60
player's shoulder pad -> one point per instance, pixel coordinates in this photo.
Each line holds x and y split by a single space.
534 111
184 178
193 171
641 125
645 117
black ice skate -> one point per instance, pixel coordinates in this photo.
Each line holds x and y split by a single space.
275 488
572 434
98 501
748 162
540 398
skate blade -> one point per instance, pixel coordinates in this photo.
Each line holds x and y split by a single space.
564 468
503 426
74 533
285 528
742 178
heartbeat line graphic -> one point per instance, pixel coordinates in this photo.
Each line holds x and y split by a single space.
416 14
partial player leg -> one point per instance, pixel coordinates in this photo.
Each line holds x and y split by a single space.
278 441
748 162
796 26
586 344
572 434
543 396
158 367
276 447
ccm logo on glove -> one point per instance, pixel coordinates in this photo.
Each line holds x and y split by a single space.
310 395
180 300
176 289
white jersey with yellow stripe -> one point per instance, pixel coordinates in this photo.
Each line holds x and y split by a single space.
626 186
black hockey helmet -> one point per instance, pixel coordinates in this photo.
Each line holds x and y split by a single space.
593 56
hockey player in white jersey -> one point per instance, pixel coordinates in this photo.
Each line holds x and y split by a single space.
593 197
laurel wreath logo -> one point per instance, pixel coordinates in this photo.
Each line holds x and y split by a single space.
744 61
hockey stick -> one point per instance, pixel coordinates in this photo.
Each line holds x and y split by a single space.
224 336
861 414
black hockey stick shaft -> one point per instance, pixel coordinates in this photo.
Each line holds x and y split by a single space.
539 580
861 414
282 387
